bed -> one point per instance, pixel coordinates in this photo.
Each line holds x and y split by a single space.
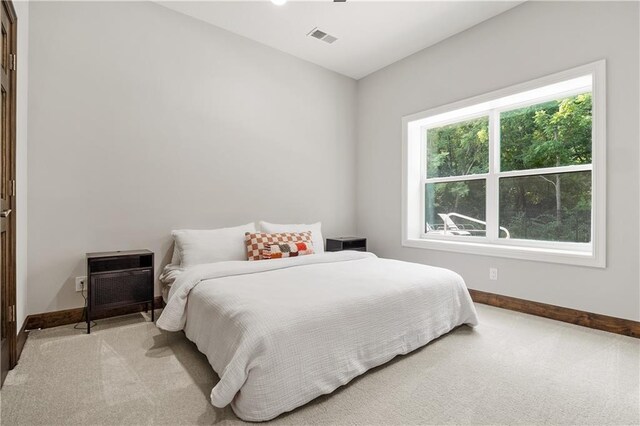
282 332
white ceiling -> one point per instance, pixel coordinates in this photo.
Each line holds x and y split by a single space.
371 34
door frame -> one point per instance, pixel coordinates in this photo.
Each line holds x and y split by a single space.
9 299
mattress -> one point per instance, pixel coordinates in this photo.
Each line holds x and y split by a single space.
280 333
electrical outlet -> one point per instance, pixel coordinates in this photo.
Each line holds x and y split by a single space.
80 283
493 274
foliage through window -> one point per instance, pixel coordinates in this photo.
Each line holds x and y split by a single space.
536 206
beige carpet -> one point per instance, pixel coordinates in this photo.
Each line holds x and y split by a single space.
512 369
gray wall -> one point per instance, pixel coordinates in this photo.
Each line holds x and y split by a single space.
530 41
142 120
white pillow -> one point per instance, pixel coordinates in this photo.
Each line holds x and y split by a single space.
215 245
315 228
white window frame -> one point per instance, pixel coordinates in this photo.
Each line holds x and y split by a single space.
556 86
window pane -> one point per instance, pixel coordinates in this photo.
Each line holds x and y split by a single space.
553 207
456 208
551 134
458 149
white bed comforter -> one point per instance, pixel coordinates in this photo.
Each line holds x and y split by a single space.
280 333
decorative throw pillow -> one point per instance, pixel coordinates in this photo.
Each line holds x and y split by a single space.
256 242
315 228
280 250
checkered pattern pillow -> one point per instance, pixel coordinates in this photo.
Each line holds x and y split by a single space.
256 242
280 250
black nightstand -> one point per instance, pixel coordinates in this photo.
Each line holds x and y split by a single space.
346 243
119 278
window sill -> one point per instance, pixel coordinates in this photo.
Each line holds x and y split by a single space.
566 257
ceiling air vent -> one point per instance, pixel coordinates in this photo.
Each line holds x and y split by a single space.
321 35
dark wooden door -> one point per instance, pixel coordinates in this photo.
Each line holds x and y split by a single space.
7 190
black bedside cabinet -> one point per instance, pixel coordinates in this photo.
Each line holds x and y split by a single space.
119 278
346 243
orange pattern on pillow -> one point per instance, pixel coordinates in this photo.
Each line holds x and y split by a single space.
256 242
280 250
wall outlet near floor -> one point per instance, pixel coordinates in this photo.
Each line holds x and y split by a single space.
493 274
81 283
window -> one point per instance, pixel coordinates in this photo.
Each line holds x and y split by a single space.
516 173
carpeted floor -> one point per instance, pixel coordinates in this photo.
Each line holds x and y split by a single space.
512 369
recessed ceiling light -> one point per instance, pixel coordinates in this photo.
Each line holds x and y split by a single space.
278 2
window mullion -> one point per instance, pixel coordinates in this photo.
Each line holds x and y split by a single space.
423 177
460 178
492 207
